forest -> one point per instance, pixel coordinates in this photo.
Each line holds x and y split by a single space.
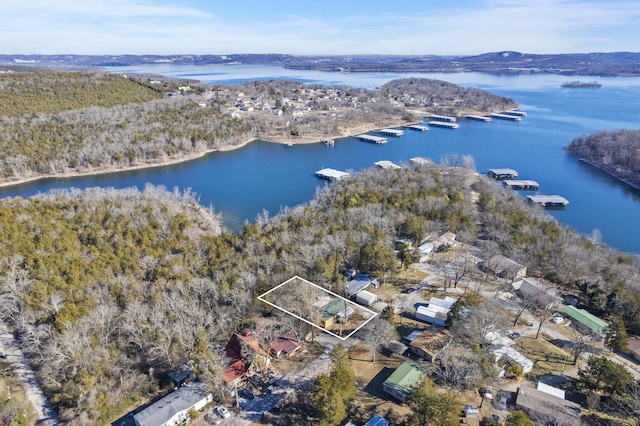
617 152
109 290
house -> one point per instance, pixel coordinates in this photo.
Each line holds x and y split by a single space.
586 322
504 267
437 312
403 380
430 342
425 250
366 298
245 357
448 239
335 311
359 283
377 420
534 289
285 345
511 356
173 408
181 374
541 405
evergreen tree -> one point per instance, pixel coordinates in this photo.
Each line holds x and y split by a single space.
431 408
616 337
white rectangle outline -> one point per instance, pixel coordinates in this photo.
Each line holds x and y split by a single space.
261 298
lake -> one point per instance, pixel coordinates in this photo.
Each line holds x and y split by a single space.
265 176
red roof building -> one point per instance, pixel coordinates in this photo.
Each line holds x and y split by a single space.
285 345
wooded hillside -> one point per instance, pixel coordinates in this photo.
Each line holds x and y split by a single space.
615 151
109 289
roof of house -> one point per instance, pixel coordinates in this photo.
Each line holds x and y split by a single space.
368 296
432 340
177 401
234 371
234 348
287 343
500 264
533 400
532 287
446 238
587 319
336 307
507 353
405 377
377 420
358 283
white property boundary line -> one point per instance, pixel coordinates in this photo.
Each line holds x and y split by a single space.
373 313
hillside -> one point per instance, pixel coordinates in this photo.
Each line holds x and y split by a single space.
617 152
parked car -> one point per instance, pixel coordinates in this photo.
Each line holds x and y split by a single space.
3 355
409 290
246 393
224 413
513 335
557 320
273 386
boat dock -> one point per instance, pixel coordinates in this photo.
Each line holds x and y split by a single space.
524 185
502 173
478 118
549 201
391 132
371 139
444 124
387 165
418 128
331 174
504 116
515 112
442 118
329 142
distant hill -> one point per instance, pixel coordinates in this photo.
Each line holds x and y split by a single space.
611 64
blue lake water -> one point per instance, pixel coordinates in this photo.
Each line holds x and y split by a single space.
261 175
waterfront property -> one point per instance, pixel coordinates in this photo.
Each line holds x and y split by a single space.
418 128
503 116
525 185
391 132
443 124
478 118
502 173
548 201
371 139
331 174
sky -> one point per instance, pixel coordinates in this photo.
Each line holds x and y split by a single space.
318 27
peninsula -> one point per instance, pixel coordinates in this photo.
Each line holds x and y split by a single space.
73 123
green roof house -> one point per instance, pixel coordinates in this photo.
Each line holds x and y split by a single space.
403 380
586 322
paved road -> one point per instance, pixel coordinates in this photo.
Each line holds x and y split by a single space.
22 369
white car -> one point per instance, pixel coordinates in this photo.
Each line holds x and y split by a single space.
557 320
224 413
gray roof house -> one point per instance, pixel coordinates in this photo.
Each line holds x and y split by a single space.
173 408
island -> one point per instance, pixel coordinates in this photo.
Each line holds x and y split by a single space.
581 85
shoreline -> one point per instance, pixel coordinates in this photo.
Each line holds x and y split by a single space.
634 185
351 131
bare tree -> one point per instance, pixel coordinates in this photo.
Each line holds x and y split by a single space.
378 332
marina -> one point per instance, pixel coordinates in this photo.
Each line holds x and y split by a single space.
371 139
331 174
418 128
443 124
442 118
502 173
522 185
478 118
387 165
548 201
504 116
391 132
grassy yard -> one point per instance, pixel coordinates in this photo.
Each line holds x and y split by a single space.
547 358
